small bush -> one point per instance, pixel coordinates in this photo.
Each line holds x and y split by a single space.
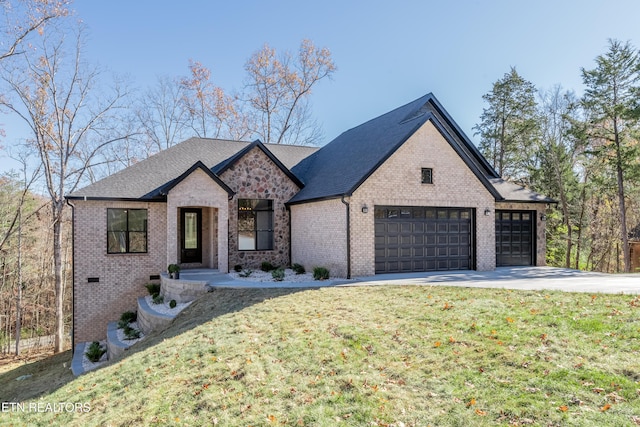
246 272
123 324
153 288
95 352
173 303
129 316
320 273
278 274
158 299
298 269
237 268
131 333
267 266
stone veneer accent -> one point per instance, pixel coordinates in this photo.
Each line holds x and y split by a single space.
541 239
255 176
122 276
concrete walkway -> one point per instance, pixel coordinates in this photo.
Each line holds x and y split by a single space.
517 278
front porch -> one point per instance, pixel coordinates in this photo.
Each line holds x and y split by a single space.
192 284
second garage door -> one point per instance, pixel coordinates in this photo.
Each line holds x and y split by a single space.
411 239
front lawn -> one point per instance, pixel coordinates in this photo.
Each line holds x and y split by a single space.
367 356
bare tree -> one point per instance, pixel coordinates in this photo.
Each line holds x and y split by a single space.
56 95
278 90
211 112
24 17
162 115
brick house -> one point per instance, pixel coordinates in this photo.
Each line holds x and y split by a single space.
406 191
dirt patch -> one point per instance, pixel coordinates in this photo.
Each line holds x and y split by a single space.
40 373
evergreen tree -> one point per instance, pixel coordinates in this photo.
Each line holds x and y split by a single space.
509 127
611 100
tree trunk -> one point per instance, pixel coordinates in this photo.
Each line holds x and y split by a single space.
19 290
58 272
623 210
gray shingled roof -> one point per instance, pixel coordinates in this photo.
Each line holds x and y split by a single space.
511 192
143 180
345 163
335 170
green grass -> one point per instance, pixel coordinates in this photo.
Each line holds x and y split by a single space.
363 356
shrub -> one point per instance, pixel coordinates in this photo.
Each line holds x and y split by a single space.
278 274
246 272
237 268
320 273
95 352
153 288
131 333
173 268
123 324
158 299
267 266
129 316
298 269
173 303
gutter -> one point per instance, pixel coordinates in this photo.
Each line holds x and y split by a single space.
348 236
73 276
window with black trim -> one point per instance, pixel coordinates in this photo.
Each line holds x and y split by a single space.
427 176
255 225
126 231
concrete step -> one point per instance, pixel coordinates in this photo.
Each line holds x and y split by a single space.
150 320
116 347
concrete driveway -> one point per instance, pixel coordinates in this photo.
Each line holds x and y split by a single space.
521 278
524 278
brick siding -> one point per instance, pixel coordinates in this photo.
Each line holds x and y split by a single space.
198 190
122 276
319 236
398 182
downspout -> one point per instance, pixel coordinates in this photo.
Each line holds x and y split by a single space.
348 237
230 198
73 276
288 208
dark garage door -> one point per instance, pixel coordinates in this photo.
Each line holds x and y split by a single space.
423 239
514 238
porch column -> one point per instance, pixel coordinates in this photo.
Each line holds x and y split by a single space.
223 239
172 234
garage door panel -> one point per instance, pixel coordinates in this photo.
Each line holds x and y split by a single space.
422 239
515 238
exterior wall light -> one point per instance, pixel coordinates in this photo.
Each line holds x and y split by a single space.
365 209
487 212
543 216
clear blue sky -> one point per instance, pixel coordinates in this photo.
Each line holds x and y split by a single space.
387 52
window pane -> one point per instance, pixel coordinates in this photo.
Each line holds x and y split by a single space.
137 242
246 221
255 224
190 230
126 231
116 242
246 241
137 220
116 219
265 240
427 176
